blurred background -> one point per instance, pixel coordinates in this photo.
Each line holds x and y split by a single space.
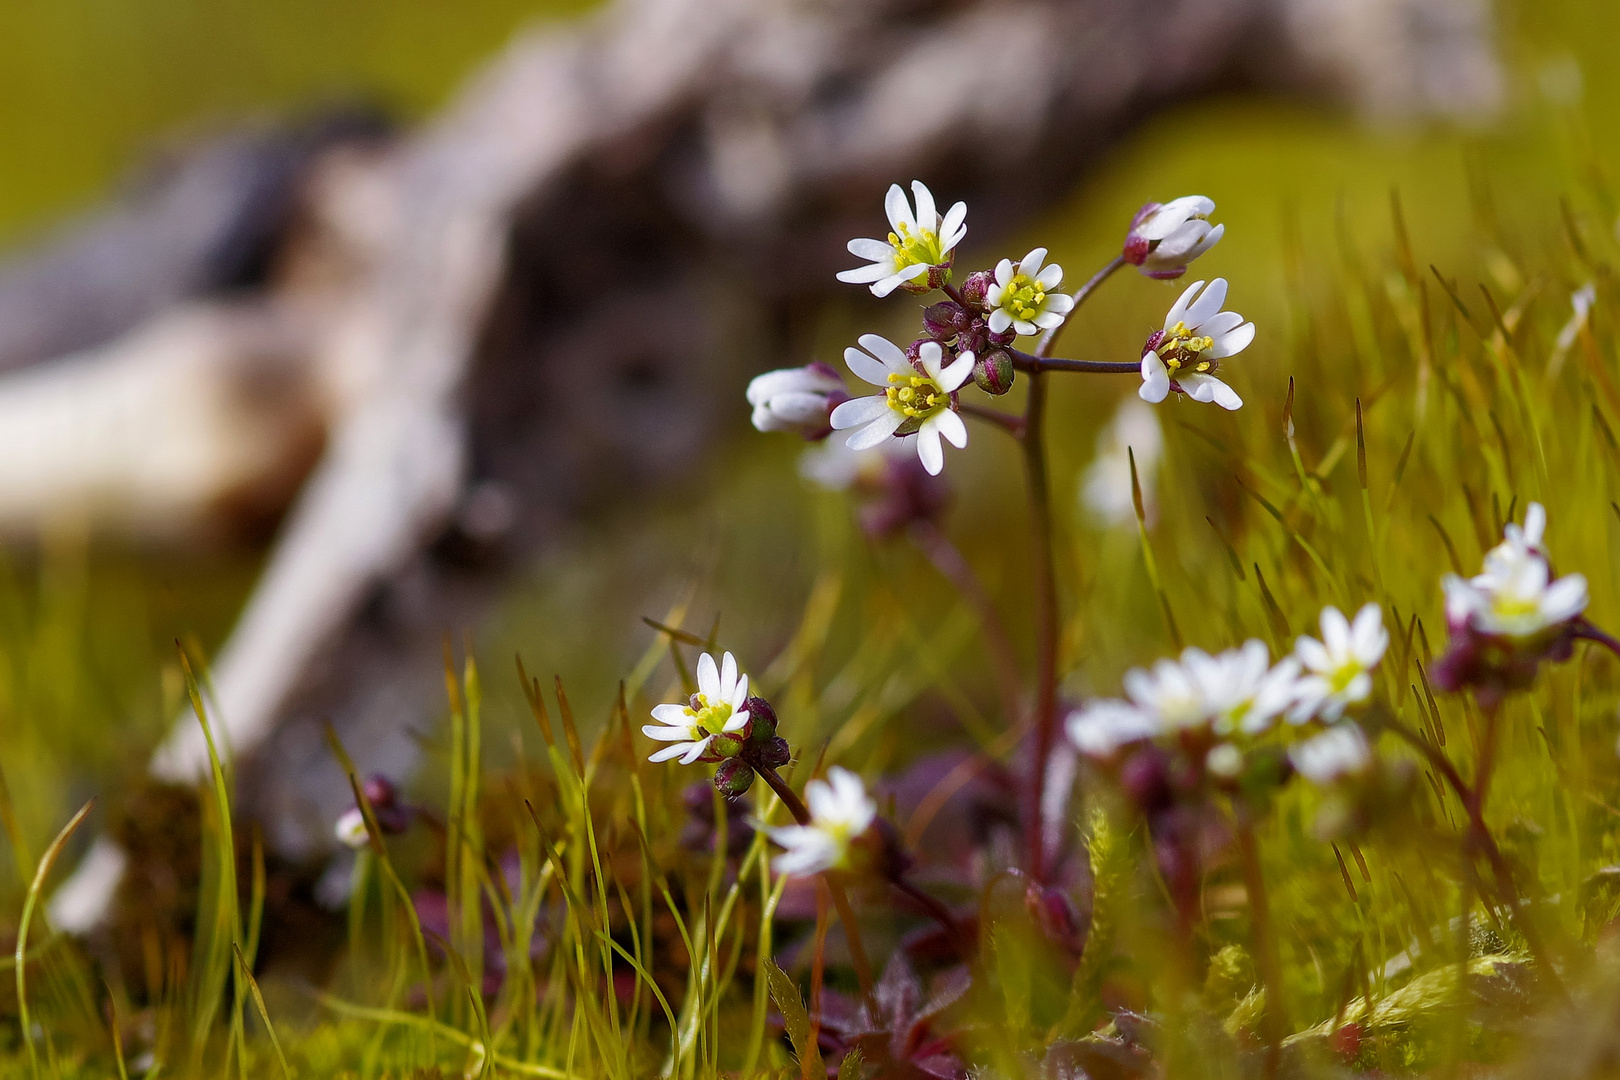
97 100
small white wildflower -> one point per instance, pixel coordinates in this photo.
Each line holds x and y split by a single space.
840 811
1241 688
1197 336
350 829
912 400
832 465
1332 755
1163 239
716 709
918 244
1025 295
797 399
1106 724
1106 491
1338 667
1516 596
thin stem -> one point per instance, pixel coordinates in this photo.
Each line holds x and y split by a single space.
840 899
1273 1021
951 564
1034 364
955 294
1046 621
1080 296
1585 631
1012 425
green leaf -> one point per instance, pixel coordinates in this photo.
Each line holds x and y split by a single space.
794 1016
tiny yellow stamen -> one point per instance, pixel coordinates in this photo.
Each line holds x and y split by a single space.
915 396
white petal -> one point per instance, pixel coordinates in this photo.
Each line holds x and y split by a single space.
957 373
894 281
1004 273
952 229
1207 304
739 693
875 432
927 216
667 734
1232 342
1313 654
897 208
892 355
1051 278
1565 599
1221 324
1368 634
696 751
1030 264
737 720
929 355
1155 379
1047 319
1061 303
858 411
878 251
867 368
951 428
664 753
728 677
862 275
673 715
999 321
1535 524
1178 310
1335 632
708 676
1210 389
929 451
1025 327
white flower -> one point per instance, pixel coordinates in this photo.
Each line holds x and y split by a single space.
717 708
1105 725
1516 595
840 811
912 400
350 829
796 399
1338 752
1241 689
1163 239
1107 488
1339 667
832 465
918 243
1026 297
1197 336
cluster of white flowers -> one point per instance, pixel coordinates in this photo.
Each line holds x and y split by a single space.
1516 596
1240 691
718 708
1026 297
840 811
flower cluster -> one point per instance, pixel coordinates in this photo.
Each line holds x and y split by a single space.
973 331
1200 703
1516 613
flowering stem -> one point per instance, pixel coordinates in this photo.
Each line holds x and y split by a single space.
1080 295
1035 364
1046 621
840 899
1273 1021
948 560
1012 425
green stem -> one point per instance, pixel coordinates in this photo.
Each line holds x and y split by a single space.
1046 621
1273 1020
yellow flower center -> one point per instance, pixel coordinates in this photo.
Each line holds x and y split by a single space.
708 718
1023 297
1181 348
916 397
912 248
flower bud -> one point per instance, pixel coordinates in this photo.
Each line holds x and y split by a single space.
1163 239
976 287
797 399
761 720
944 320
993 372
776 753
734 777
1055 914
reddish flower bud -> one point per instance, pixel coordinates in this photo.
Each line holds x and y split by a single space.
993 372
734 777
976 287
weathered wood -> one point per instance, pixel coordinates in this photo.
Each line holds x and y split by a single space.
512 318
